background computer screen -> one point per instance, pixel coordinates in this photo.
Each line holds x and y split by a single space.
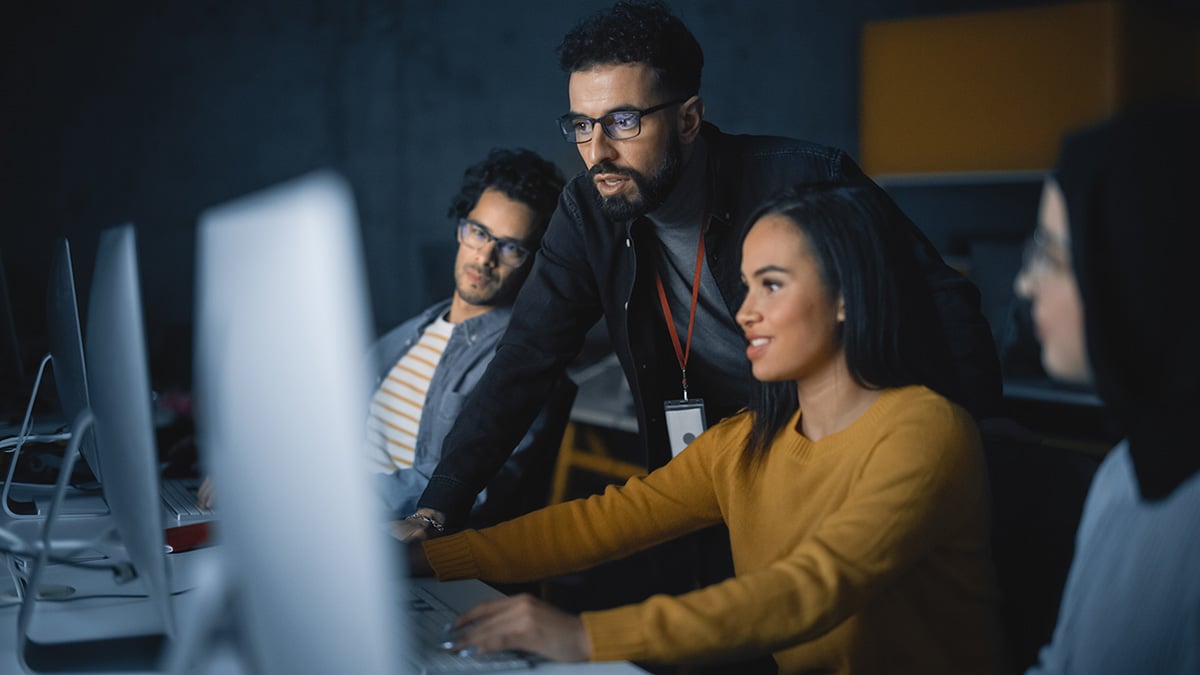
119 389
66 346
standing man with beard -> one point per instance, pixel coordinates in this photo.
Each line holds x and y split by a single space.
649 239
427 365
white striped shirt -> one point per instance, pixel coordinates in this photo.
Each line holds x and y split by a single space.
397 405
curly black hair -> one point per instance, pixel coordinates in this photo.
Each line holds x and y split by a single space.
520 174
637 31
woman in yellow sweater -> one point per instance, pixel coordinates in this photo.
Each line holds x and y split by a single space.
856 498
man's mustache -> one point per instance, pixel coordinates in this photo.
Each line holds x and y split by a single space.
610 168
483 273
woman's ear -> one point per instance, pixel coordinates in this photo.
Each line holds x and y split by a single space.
691 114
841 309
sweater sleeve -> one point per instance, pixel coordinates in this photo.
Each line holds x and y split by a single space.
916 485
675 499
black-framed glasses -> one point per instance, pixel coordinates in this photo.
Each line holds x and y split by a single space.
619 125
510 252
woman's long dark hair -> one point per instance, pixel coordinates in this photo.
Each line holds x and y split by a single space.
859 240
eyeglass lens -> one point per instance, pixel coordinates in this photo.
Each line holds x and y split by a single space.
1039 254
619 125
477 236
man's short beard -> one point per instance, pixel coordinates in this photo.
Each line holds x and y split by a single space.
501 296
652 190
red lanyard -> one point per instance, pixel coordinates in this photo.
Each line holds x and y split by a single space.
681 353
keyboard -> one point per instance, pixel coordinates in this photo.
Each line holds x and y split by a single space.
179 501
429 622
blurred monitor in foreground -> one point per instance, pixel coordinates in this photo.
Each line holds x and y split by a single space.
281 329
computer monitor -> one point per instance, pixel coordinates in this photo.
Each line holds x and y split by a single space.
281 330
66 346
120 410
67 362
121 403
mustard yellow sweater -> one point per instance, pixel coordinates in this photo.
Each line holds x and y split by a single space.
864 552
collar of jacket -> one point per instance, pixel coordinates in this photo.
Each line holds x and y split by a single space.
485 325
719 192
476 328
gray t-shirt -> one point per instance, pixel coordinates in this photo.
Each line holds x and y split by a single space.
717 366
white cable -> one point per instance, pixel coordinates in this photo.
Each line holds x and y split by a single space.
7 444
37 383
16 451
62 548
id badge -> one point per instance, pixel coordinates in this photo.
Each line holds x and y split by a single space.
685 421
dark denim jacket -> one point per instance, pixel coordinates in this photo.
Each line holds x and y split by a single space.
590 266
467 354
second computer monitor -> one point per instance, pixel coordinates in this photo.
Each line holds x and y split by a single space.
66 346
120 396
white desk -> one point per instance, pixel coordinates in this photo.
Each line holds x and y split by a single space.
93 603
99 608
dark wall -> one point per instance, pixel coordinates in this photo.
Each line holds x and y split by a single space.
149 112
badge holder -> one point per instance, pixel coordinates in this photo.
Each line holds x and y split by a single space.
685 421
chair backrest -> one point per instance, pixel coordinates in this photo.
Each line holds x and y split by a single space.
1038 491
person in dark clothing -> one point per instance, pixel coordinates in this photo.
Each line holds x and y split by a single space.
1111 258
648 238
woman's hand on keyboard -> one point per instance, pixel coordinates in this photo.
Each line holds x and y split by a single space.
522 623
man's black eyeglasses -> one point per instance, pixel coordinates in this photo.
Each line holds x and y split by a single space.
619 125
510 252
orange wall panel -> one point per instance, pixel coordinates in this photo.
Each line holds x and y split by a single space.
986 92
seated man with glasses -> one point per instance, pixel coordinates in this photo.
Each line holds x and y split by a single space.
428 365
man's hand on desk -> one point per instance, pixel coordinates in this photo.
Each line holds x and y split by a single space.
419 526
522 623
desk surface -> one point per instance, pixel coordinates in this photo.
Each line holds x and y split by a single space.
80 617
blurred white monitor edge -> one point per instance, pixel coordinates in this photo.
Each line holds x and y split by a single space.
281 393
